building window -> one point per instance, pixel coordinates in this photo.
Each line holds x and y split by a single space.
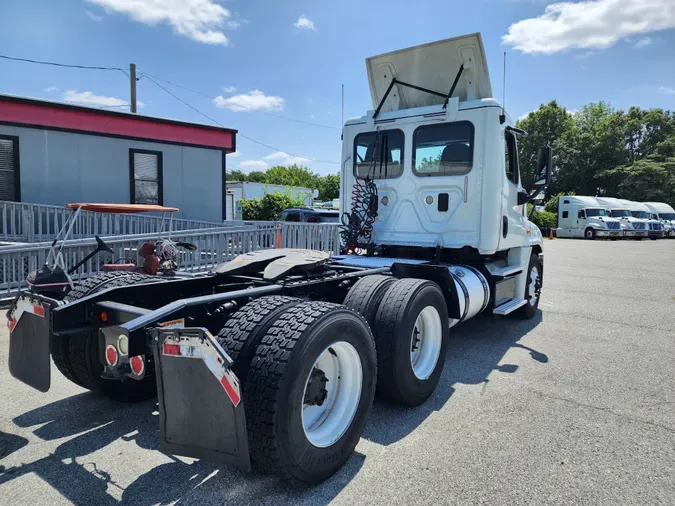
146 176
444 149
10 189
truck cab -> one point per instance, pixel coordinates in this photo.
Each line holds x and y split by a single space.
633 226
662 212
445 171
585 217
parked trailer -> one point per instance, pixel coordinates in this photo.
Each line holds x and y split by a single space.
275 356
662 212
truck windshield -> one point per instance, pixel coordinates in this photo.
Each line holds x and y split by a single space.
595 212
667 216
379 155
619 213
640 214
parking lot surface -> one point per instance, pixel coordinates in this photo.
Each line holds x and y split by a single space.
574 406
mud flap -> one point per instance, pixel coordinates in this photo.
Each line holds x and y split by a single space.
29 360
201 413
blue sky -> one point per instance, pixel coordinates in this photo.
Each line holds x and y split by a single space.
289 58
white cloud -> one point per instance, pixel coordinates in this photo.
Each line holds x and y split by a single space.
254 100
254 165
589 24
233 25
88 98
523 116
644 42
229 89
200 20
312 116
51 89
667 89
236 153
305 23
92 16
281 158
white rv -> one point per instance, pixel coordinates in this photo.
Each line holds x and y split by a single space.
585 217
665 214
656 228
633 227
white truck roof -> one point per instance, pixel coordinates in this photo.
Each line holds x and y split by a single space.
433 66
659 207
635 206
583 201
613 203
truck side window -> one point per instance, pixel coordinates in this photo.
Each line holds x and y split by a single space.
444 149
379 155
511 157
565 214
581 214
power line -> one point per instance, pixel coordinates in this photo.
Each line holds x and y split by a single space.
239 134
211 97
64 65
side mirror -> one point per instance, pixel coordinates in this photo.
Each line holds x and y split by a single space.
544 169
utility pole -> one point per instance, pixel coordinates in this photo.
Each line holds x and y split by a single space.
132 84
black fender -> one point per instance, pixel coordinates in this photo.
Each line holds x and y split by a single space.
439 274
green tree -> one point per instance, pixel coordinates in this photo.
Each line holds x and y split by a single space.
329 187
293 175
257 177
235 175
268 207
546 125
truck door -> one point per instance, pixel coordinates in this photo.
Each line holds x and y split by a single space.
513 215
581 223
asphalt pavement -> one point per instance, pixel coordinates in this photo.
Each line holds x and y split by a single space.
574 406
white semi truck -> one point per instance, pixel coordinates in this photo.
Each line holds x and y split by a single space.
585 217
656 229
276 355
663 213
634 227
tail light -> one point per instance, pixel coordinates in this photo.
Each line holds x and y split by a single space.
111 355
137 365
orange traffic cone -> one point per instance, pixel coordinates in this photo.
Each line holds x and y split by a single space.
278 236
550 233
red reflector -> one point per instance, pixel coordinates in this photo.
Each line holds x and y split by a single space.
171 349
231 393
11 325
104 316
39 311
111 355
137 365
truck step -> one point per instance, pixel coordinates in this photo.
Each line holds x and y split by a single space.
509 306
505 272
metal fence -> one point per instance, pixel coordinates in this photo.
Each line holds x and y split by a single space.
214 246
21 222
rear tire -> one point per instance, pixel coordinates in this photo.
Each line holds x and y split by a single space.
405 376
241 334
292 432
83 349
589 234
366 294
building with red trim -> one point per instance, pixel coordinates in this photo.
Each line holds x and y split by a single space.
55 153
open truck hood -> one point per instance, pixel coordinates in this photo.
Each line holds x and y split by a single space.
432 66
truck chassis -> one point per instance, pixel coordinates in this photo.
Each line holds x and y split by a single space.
271 357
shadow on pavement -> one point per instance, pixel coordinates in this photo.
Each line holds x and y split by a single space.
100 422
475 350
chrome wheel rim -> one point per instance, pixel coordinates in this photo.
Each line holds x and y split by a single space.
533 287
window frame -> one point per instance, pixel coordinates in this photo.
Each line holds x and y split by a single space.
354 161
508 135
565 214
17 165
160 174
438 125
